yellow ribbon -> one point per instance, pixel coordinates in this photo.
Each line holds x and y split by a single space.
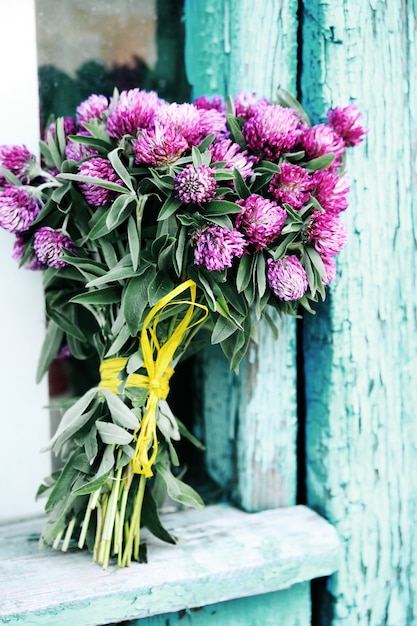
156 361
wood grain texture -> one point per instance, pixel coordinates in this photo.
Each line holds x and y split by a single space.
250 425
361 350
289 607
222 554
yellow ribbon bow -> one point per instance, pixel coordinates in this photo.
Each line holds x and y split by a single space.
157 361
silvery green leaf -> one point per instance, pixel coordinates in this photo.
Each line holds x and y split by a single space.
113 434
73 419
166 422
121 414
178 490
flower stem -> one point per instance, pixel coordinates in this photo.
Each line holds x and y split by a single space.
134 528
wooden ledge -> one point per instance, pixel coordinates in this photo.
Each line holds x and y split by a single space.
222 554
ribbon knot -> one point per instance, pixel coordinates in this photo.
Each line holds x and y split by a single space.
157 359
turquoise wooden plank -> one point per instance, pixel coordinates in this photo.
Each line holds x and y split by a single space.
249 421
222 554
289 607
361 350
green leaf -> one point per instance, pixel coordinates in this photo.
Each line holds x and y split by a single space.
244 272
119 341
320 163
177 489
73 420
159 287
169 207
279 251
64 484
241 187
98 297
260 274
223 328
196 157
50 348
113 434
220 207
99 182
120 272
133 235
179 252
150 518
102 475
135 301
121 414
68 323
236 132
186 433
119 212
120 168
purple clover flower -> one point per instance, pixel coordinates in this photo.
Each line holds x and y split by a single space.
97 167
133 111
330 190
18 160
17 254
50 245
246 104
215 247
292 185
233 155
78 151
327 233
216 102
18 209
92 109
184 119
321 140
160 146
347 124
287 278
70 128
195 185
271 131
211 121
260 220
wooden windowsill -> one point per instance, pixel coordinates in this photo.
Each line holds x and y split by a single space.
222 554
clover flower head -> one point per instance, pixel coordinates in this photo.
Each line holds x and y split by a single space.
92 109
246 104
159 146
292 185
18 160
260 220
347 124
216 102
215 247
50 245
133 111
183 119
78 151
18 209
287 278
327 233
320 140
233 155
211 122
271 131
330 190
97 167
19 246
195 185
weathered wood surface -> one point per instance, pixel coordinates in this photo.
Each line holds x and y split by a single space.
289 607
222 554
250 421
361 349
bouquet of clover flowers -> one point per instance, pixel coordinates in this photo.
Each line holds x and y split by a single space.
159 226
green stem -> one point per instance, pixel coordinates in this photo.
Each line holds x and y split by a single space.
108 527
134 529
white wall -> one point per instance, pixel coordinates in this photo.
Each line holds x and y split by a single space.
24 421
